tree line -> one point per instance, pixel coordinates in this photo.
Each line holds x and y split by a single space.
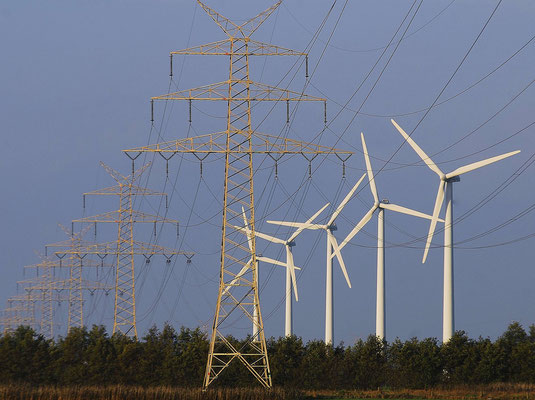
178 358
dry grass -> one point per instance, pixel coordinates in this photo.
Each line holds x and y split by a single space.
488 392
498 391
20 392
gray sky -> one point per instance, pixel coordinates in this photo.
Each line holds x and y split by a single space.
76 79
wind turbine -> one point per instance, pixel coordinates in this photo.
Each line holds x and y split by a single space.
289 265
332 245
445 188
380 205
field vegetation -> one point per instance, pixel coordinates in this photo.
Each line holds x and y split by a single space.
130 392
170 364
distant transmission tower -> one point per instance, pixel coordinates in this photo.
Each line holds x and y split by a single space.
76 266
52 290
19 312
76 284
125 248
238 293
42 289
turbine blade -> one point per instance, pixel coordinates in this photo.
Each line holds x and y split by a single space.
358 227
336 250
408 211
301 229
246 225
297 224
242 271
274 262
371 178
425 158
290 262
434 218
270 238
241 229
345 201
271 261
259 234
479 164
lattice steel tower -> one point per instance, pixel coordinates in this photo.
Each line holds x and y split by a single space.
125 248
238 293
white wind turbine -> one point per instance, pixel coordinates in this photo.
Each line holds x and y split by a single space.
445 188
289 265
380 205
332 245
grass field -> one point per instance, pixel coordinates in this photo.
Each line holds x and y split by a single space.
499 391
118 392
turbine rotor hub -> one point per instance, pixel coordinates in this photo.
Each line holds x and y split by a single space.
456 178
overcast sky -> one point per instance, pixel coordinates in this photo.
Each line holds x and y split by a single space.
76 79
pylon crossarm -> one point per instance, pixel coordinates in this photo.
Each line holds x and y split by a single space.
139 248
256 92
44 264
279 145
221 47
68 243
125 179
254 23
253 48
46 285
28 281
260 144
229 27
118 190
14 308
114 217
37 297
95 285
67 264
66 284
74 236
20 298
120 178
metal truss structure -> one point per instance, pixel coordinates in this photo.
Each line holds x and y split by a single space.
75 284
238 291
20 310
52 290
125 248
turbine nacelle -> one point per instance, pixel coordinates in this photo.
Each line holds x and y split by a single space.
328 228
444 178
384 204
332 227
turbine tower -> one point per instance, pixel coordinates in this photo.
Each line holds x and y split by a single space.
289 265
332 249
238 143
381 206
445 187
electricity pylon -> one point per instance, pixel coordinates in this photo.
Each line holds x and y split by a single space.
43 283
238 291
75 265
52 289
125 248
20 311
